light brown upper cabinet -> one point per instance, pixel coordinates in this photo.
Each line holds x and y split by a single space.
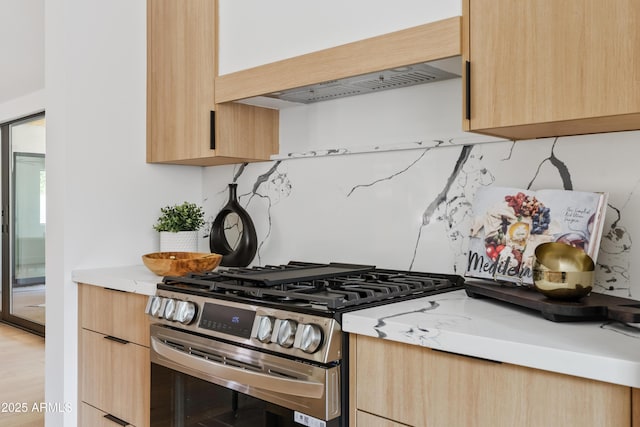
551 68
184 125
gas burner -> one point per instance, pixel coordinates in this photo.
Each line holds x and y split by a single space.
325 287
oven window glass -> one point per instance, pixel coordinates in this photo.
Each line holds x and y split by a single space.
180 400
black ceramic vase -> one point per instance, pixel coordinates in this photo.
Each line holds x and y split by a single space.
245 250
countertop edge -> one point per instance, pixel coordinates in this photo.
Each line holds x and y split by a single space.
132 278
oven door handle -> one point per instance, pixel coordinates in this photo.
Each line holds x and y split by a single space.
258 380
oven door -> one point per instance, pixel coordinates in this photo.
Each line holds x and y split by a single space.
199 381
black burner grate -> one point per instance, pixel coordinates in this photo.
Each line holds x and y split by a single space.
334 286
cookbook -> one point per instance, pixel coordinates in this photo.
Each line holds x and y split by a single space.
509 223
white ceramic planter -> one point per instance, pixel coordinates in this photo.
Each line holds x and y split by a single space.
182 241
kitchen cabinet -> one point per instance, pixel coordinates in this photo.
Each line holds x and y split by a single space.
114 364
416 386
550 68
184 125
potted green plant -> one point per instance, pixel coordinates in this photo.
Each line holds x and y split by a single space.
178 226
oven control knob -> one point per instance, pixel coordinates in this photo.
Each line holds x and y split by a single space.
185 312
170 309
156 307
265 329
311 338
287 333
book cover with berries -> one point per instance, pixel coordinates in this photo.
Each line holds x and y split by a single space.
508 224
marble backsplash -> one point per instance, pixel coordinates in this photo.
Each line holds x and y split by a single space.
411 209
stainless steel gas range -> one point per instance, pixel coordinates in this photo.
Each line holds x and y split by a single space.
263 346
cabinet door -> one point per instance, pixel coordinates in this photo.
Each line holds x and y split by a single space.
115 377
547 67
183 124
111 312
422 387
181 69
246 132
92 417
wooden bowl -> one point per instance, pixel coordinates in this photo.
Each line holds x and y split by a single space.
180 263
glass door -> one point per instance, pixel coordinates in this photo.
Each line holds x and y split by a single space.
24 223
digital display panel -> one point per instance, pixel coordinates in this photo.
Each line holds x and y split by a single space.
229 320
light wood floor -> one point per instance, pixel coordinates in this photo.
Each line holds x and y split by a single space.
21 377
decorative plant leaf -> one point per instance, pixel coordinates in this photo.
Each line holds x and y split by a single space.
184 217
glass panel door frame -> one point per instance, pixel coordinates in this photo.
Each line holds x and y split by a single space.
19 157
6 244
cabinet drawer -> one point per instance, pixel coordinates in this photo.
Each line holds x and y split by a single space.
115 377
115 313
416 386
90 416
365 419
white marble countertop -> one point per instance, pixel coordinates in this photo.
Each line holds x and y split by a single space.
131 278
489 329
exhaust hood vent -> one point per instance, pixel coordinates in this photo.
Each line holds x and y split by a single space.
367 83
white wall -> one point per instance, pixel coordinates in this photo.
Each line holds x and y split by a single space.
102 197
22 47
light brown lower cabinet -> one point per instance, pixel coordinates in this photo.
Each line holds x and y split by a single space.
417 386
114 362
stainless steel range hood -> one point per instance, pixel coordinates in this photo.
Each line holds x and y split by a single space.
395 78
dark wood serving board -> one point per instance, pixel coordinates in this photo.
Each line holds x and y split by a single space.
595 306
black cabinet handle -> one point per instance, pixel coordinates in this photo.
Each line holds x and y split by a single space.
116 339
467 66
212 130
116 420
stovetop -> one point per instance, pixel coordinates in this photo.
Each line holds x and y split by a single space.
333 287
294 310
